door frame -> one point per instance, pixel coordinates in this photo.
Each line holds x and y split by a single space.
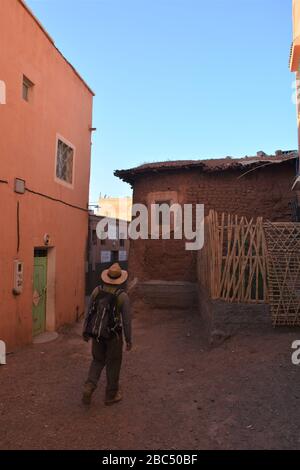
50 317
51 281
40 287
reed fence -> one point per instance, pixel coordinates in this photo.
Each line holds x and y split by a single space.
232 265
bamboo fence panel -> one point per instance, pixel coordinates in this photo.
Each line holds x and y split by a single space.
232 264
283 243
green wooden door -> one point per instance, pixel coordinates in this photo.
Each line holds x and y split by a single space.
39 295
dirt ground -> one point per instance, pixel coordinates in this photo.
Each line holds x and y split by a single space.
178 392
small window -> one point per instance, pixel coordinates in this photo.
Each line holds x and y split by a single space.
105 256
122 239
64 162
27 88
122 255
168 202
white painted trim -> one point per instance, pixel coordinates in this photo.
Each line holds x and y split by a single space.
2 353
50 298
2 92
58 180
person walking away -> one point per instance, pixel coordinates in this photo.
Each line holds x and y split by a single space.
107 319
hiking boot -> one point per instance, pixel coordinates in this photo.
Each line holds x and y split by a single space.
88 391
115 399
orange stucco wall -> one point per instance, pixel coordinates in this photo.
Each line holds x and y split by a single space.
295 61
295 50
296 19
60 103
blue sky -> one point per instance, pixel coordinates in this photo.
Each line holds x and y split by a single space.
178 79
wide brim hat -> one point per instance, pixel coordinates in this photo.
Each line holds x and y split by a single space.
114 275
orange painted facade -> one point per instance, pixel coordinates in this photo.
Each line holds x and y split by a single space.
295 67
295 51
56 219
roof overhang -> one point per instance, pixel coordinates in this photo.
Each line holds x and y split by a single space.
245 164
295 55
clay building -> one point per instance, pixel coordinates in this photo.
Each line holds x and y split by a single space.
250 186
45 148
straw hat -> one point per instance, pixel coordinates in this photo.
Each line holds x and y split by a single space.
114 275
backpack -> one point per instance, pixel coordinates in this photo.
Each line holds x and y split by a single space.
103 318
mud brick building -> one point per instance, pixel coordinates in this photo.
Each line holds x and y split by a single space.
251 187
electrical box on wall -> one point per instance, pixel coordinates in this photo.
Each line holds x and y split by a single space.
18 277
19 186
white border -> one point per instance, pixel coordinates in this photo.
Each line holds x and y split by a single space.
2 92
58 180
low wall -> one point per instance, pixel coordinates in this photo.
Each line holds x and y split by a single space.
168 294
222 319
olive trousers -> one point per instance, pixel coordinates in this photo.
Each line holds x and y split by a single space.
107 353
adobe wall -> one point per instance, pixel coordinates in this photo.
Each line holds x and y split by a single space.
264 192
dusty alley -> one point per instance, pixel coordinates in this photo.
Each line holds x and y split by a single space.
178 392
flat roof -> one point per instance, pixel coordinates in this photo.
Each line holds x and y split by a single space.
205 165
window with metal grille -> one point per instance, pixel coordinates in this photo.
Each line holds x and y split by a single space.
64 162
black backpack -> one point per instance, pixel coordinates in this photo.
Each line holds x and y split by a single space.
103 320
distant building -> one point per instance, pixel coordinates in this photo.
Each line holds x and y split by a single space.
115 207
45 146
102 253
